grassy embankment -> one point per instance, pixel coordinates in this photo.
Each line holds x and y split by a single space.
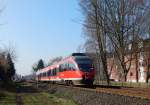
7 94
31 96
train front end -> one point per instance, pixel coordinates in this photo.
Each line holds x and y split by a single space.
86 70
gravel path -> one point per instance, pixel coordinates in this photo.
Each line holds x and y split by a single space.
19 99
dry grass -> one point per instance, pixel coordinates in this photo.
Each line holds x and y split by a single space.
134 92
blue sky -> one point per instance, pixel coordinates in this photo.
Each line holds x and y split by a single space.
40 29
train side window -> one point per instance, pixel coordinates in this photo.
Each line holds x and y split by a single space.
49 73
60 68
44 74
63 67
55 72
39 76
72 66
66 66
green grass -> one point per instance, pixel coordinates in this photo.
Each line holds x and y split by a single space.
7 98
32 98
41 98
59 100
44 98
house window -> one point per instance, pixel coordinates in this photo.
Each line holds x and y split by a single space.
131 74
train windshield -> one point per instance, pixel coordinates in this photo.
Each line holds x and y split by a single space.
84 64
85 67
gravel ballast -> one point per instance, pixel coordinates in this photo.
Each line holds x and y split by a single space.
86 97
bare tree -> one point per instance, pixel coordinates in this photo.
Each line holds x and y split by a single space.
126 18
3 67
119 22
146 51
95 28
7 68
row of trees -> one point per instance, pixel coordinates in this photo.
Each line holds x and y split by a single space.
115 27
7 68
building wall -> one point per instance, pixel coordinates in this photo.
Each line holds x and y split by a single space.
136 71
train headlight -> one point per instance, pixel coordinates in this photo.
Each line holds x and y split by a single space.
83 77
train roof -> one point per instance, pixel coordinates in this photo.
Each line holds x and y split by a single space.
81 57
47 68
72 57
78 54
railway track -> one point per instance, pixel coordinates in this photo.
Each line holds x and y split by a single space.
99 95
143 93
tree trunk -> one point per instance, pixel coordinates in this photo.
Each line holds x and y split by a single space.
148 73
136 64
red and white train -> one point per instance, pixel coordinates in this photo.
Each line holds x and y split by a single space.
76 69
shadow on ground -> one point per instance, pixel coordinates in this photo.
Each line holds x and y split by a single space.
26 89
100 86
106 86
